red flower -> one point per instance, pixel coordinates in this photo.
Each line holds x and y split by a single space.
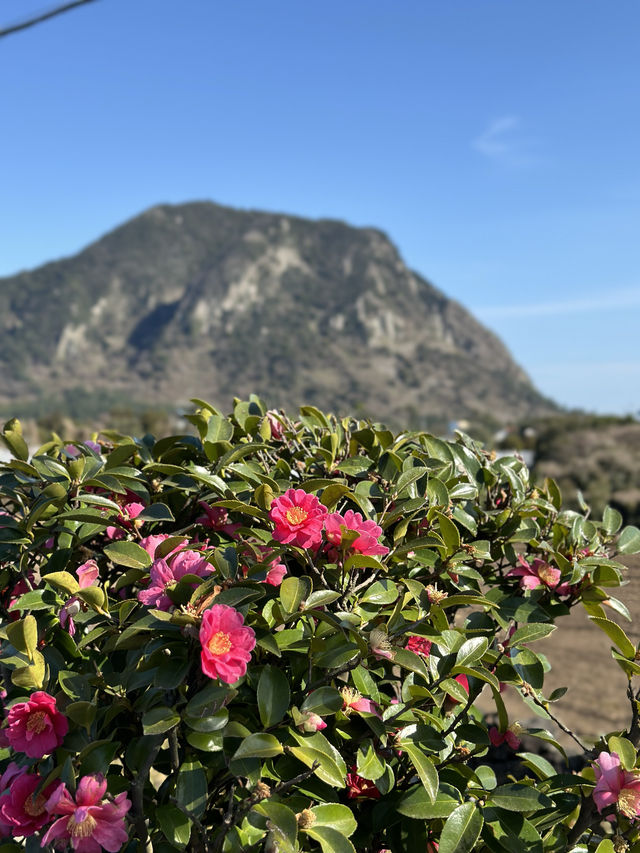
369 533
359 788
510 737
24 810
36 727
353 701
216 518
298 518
226 643
88 823
419 645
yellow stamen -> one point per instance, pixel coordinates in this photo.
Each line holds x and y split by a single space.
547 574
219 644
34 805
296 515
629 802
349 696
37 722
83 829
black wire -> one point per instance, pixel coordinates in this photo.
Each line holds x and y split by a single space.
30 22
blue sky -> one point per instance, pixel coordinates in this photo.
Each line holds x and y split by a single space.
496 142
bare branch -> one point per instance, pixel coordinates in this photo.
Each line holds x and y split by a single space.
31 22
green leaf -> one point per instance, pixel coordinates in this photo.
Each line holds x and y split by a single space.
156 512
159 720
82 713
380 592
62 581
625 749
605 846
128 554
368 762
629 541
424 767
293 591
530 633
471 651
31 676
516 797
611 520
363 561
316 748
282 823
259 745
450 534
273 696
23 635
330 840
417 804
324 700
175 825
462 829
335 815
616 635
191 788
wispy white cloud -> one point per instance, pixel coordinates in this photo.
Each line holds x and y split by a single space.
613 300
503 142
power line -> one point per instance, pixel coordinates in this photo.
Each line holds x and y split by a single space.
30 22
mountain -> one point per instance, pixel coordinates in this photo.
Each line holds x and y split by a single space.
203 300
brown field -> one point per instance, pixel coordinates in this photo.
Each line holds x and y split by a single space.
580 656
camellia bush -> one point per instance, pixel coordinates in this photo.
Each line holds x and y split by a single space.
272 637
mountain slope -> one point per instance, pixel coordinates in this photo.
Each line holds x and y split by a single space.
204 300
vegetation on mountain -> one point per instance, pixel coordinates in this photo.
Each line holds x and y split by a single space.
199 298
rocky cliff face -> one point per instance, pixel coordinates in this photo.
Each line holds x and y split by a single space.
203 300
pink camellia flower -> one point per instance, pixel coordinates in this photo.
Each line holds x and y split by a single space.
216 518
165 574
419 645
226 643
533 575
87 575
615 785
276 573
353 701
311 722
151 543
36 727
22 809
360 788
298 518
380 645
510 736
369 533
275 424
129 511
6 779
89 822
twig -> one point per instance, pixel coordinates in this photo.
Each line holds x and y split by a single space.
31 22
588 752
332 673
137 790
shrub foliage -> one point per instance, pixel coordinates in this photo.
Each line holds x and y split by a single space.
272 637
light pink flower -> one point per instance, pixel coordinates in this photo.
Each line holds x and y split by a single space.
615 785
369 533
277 569
22 809
87 575
298 518
419 645
166 572
535 574
353 701
311 722
226 643
36 727
89 822
216 518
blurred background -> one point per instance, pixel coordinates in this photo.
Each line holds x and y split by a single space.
421 212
